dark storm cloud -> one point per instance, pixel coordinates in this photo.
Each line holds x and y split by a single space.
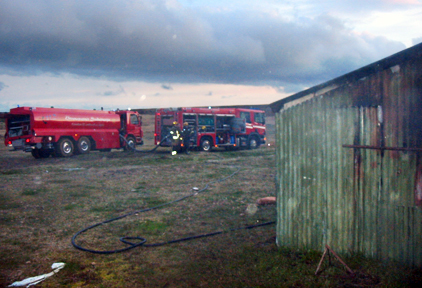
164 41
118 91
2 86
166 86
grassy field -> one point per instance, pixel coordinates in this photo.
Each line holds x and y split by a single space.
44 202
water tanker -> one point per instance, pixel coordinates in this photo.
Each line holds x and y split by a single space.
64 132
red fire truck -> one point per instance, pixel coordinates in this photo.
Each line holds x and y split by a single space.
64 132
213 127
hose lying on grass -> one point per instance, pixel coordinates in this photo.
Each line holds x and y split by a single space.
140 241
143 151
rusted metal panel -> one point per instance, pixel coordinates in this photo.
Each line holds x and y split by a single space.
349 164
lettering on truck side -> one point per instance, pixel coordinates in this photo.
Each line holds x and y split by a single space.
87 119
76 119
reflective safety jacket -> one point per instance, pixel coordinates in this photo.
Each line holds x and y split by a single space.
175 135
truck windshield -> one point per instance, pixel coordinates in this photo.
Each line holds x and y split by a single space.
134 119
260 118
246 116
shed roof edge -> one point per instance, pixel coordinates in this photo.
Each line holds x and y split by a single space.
395 59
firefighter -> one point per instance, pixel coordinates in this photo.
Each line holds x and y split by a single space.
175 134
186 134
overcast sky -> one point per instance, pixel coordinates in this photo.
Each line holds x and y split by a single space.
170 53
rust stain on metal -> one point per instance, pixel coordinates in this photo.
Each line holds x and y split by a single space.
418 184
382 148
367 198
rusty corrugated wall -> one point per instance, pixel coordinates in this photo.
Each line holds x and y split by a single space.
349 162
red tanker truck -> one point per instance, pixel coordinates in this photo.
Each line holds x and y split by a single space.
64 132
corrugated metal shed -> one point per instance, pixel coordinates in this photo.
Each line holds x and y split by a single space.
349 162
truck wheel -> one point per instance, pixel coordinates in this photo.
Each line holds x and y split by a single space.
40 153
130 143
44 153
206 145
84 145
253 143
65 147
36 153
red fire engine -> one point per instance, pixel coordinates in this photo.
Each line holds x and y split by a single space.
213 127
63 132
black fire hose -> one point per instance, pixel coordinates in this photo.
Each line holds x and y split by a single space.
142 151
140 241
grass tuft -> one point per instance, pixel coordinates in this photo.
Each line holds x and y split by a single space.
33 191
12 172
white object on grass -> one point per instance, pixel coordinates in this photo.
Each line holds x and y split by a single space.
251 209
37 279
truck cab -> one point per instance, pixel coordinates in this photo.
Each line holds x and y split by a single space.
131 128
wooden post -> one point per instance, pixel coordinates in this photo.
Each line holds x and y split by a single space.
320 262
328 250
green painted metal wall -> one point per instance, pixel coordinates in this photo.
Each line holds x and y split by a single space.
354 199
